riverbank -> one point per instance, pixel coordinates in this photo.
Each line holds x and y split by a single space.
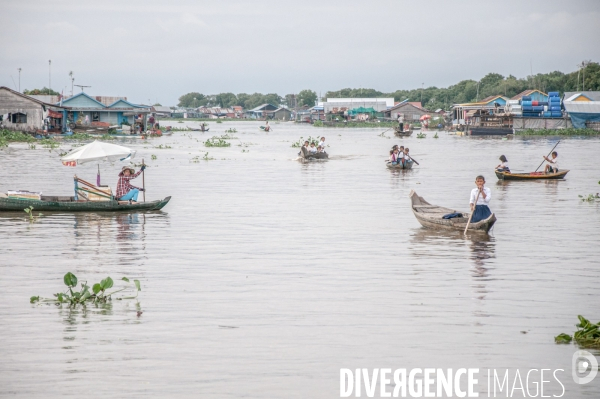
557 132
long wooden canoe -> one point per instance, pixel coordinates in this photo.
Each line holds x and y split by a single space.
407 165
430 217
532 176
68 204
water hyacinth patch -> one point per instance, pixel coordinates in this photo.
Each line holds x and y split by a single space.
98 293
586 336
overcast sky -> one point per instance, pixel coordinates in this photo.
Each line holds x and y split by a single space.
159 50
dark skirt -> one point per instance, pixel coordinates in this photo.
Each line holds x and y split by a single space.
480 213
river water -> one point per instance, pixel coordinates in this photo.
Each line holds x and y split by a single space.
264 276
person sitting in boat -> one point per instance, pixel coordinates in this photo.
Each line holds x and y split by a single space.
480 198
267 127
322 143
552 165
503 167
405 155
125 191
320 149
312 149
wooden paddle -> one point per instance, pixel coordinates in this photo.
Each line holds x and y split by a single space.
550 153
412 159
472 212
143 181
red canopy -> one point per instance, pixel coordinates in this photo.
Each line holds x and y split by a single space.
54 114
422 118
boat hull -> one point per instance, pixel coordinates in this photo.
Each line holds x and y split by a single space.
526 176
407 165
399 133
430 217
16 204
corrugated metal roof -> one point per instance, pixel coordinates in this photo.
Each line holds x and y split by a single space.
527 93
592 95
592 107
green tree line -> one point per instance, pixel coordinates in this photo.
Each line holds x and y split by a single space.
248 101
431 97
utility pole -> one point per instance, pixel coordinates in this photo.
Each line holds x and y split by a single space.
50 74
19 69
422 87
477 97
72 81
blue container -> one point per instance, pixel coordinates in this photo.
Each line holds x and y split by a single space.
556 114
526 98
554 108
547 114
542 103
526 103
553 94
527 108
538 108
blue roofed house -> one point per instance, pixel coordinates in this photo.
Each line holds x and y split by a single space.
119 112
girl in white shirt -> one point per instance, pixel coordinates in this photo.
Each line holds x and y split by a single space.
480 198
503 167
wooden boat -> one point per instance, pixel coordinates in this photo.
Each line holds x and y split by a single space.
402 133
532 176
69 204
305 155
407 165
198 129
430 217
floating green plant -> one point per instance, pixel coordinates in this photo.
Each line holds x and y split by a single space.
98 293
216 142
231 130
421 135
586 336
29 212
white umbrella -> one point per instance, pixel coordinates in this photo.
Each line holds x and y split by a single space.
97 151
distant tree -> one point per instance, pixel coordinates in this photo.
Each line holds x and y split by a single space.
192 100
157 105
225 100
307 97
43 91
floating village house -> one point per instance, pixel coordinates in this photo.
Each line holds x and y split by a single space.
411 111
535 95
583 108
260 112
280 114
24 113
119 112
464 112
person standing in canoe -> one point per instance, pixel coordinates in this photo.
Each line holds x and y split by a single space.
480 198
125 191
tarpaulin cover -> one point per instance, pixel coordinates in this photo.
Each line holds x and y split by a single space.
362 110
540 123
579 119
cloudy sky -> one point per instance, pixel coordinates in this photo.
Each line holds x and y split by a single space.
159 50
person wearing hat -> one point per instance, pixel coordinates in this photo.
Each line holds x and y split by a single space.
125 191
